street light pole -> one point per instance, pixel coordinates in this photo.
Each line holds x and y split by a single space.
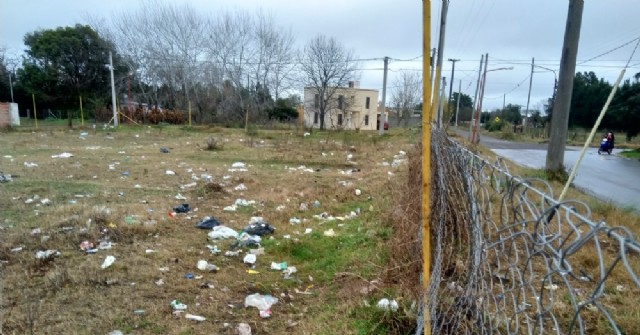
481 96
113 92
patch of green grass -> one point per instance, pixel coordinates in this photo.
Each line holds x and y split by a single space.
633 154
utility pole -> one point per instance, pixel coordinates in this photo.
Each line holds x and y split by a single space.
11 86
475 98
526 112
441 101
436 90
480 95
453 71
433 57
562 103
384 96
458 101
113 92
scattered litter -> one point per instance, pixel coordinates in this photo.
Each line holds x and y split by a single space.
176 305
117 332
213 249
17 249
48 254
358 192
286 237
246 240
262 302
203 265
222 232
316 204
243 329
207 223
620 288
138 312
329 233
252 272
170 173
306 134
231 208
30 165
289 271
190 185
243 202
303 207
324 216
86 245
257 226
184 208
388 305
130 220
281 208
159 282
107 262
188 275
345 183
164 150
257 251
230 253
278 266
36 231
149 251
294 220
240 187
5 178
249 259
238 165
62 155
45 202
308 231
195 317
125 174
163 269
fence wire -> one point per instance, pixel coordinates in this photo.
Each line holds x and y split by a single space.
508 259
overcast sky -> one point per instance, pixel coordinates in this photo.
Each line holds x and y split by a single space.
511 31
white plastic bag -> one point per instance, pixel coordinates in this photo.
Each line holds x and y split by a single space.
259 301
222 232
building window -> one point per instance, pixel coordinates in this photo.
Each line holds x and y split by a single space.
315 118
339 119
316 101
366 105
366 119
341 102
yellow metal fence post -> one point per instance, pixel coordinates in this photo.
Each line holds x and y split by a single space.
426 162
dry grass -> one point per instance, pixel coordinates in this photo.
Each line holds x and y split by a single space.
89 202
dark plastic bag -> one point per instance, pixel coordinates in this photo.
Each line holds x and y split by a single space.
207 223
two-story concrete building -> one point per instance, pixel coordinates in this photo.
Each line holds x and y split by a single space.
349 108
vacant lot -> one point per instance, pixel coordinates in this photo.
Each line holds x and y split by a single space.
326 194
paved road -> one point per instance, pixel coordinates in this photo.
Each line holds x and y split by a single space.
608 177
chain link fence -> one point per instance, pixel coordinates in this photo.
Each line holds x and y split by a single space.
509 259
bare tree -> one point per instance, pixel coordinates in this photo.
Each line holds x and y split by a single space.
164 44
327 65
406 94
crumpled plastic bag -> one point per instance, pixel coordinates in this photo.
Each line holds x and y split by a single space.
259 301
222 232
207 223
257 226
184 208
